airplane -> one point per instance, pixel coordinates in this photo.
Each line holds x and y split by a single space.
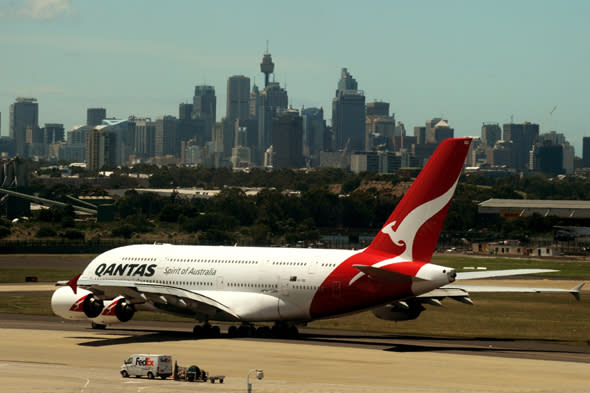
393 276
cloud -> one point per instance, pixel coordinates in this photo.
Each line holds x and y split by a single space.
40 10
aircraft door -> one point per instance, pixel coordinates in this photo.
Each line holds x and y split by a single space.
284 286
220 282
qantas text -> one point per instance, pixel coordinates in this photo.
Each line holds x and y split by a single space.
127 269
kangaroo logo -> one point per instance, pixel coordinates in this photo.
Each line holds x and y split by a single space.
405 233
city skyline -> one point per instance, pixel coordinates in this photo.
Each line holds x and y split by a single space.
467 62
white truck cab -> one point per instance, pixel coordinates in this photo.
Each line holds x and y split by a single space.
147 365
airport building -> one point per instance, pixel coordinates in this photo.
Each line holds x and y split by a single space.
516 208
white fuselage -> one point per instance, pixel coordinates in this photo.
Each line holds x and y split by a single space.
258 284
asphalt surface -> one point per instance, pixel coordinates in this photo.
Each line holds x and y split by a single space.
47 354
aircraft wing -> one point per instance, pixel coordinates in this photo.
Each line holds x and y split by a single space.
163 298
461 292
499 273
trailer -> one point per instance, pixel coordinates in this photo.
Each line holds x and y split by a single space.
194 374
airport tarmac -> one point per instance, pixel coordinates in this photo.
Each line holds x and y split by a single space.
46 354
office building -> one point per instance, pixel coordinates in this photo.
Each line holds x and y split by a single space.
24 113
238 97
53 133
145 138
205 108
348 114
437 130
420 134
380 127
548 158
586 152
165 136
314 128
364 161
523 136
185 111
490 134
287 139
100 148
273 100
95 116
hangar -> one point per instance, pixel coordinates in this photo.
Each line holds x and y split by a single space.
515 208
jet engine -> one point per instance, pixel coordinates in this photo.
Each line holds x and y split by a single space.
400 311
84 305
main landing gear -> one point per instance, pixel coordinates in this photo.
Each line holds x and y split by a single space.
206 331
279 330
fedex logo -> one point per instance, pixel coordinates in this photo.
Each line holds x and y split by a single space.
144 362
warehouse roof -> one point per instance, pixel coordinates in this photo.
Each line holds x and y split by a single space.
527 207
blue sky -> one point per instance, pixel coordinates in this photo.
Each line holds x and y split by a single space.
468 61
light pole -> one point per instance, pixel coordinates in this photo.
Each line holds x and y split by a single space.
259 375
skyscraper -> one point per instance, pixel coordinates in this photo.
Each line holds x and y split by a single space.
273 100
238 95
24 113
53 133
95 116
490 134
288 140
165 136
523 136
100 148
379 126
586 151
314 128
185 111
205 107
348 114
145 133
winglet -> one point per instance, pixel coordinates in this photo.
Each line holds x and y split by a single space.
73 283
575 291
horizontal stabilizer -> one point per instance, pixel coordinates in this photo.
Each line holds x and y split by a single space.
384 275
575 291
500 273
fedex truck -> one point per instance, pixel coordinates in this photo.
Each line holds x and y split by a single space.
147 365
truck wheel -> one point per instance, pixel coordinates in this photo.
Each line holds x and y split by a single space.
124 374
220 380
163 376
150 375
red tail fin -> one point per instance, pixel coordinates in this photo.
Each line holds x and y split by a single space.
413 228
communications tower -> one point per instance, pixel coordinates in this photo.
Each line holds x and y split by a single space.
267 66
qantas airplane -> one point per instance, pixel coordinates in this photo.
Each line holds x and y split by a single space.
393 276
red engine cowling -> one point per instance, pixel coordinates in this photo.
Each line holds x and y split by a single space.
84 305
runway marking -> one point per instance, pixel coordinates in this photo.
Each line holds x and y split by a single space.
85 385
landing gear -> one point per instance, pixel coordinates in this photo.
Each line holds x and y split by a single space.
206 331
279 330
98 326
284 330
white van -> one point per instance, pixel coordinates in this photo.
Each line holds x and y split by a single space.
147 365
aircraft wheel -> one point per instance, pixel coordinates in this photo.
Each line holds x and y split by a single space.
232 332
197 331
